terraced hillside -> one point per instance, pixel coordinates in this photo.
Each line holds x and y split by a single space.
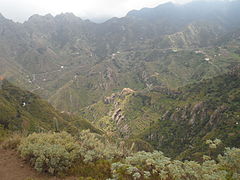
175 122
73 62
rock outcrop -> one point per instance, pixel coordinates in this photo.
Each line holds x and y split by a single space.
127 91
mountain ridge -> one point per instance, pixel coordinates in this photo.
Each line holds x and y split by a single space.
175 122
23 111
62 54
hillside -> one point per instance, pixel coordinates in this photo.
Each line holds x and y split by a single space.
201 111
178 121
26 112
73 63
151 95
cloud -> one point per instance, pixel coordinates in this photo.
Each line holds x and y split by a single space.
20 10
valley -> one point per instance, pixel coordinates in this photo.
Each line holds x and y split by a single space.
151 95
63 56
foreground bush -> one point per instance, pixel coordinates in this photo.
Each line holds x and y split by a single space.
94 147
3 133
57 152
91 156
145 165
50 152
99 170
230 161
12 142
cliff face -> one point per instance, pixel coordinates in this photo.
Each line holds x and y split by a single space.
189 126
201 111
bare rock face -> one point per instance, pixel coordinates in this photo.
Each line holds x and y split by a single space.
118 116
216 115
109 99
117 113
192 114
127 91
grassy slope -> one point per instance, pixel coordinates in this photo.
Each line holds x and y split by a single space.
138 69
36 115
178 121
202 111
136 63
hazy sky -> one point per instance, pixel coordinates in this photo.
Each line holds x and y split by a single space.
21 10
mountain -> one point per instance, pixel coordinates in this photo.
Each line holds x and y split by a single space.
26 112
74 63
175 122
164 78
202 111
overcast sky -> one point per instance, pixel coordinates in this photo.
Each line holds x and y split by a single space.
21 10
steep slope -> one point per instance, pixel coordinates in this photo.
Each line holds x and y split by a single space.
73 63
23 111
142 69
138 27
175 121
201 111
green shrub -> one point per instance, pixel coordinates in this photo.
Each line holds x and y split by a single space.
3 133
231 162
91 156
95 147
57 152
12 142
86 178
146 165
100 169
50 152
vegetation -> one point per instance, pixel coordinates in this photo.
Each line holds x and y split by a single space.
79 62
49 152
201 111
61 153
202 104
12 141
57 152
95 147
143 165
160 81
26 112
3 133
176 122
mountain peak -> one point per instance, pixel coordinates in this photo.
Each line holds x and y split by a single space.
146 11
37 18
67 17
67 14
167 4
49 16
2 17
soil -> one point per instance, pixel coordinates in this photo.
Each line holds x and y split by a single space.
12 167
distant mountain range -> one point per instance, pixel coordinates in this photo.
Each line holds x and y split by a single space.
166 78
73 63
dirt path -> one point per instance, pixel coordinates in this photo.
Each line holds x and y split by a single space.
14 168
